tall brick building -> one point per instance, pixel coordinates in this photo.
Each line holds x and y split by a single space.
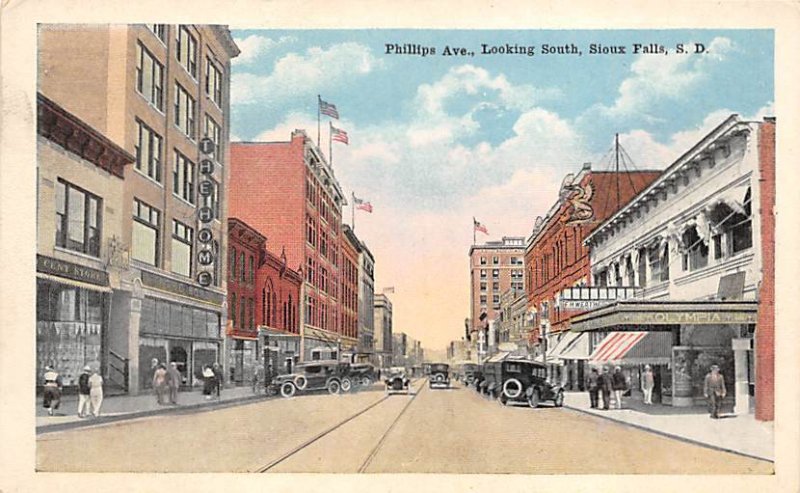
288 192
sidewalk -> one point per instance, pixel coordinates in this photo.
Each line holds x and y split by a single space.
115 408
738 434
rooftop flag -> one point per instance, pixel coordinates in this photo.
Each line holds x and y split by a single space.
362 204
329 109
339 135
479 227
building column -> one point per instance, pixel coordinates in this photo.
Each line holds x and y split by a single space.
133 346
740 349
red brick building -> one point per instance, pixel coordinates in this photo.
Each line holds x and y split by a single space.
288 192
555 257
349 286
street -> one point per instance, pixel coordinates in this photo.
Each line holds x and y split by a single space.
442 430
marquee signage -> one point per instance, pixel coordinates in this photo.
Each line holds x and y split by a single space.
205 214
699 318
68 270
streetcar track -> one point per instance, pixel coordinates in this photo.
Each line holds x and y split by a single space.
328 431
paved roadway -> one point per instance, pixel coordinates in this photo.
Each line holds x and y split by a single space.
446 431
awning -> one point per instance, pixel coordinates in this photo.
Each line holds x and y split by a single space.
498 357
72 282
633 348
577 349
558 347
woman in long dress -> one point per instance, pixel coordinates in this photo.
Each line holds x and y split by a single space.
96 392
209 379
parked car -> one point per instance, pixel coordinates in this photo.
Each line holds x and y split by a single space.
492 380
439 376
467 373
363 374
397 381
315 375
524 381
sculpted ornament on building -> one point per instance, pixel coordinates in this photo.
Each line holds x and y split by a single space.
579 197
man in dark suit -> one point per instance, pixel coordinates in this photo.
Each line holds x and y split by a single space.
604 382
592 384
714 390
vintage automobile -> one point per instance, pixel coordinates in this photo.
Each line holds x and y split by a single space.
519 380
439 375
468 372
491 381
397 381
363 374
315 375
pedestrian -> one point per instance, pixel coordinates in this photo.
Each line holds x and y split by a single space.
218 378
619 384
648 382
208 381
714 390
84 402
604 382
96 392
174 382
592 383
52 390
160 383
151 373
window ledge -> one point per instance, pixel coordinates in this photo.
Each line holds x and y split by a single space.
78 254
739 260
148 177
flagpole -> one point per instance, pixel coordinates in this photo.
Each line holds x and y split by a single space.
473 230
319 103
330 143
353 211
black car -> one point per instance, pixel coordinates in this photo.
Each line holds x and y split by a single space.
439 375
397 381
363 374
316 375
522 381
468 373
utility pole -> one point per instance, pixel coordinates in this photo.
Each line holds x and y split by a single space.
616 166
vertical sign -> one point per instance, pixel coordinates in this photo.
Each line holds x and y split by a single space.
205 254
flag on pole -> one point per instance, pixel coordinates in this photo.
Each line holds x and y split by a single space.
339 135
479 227
362 204
328 109
390 289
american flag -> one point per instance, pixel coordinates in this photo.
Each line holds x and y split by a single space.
362 204
339 135
479 227
328 109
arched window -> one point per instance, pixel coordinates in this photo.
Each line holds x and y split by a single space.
695 250
232 310
733 226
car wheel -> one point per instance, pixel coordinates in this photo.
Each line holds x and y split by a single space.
346 385
533 399
366 382
334 387
288 389
559 400
512 388
300 382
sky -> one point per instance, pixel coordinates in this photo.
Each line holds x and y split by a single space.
439 139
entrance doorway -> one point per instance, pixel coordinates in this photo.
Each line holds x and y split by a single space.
179 355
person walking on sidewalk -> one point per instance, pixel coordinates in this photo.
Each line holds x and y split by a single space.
52 390
604 383
648 382
218 379
208 381
619 385
96 392
84 402
160 383
174 382
714 390
593 386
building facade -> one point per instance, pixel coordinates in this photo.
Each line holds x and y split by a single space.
300 212
694 244
366 302
495 267
80 185
157 91
349 289
384 335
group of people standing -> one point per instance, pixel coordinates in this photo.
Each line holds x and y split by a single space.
212 380
166 381
603 384
90 391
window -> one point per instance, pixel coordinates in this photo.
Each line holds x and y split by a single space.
483 286
214 132
496 299
232 310
212 200
148 152
735 228
160 30
145 236
184 111
78 219
182 241
496 286
242 269
496 274
483 299
187 51
183 178
149 77
483 260
310 270
311 230
601 278
232 267
251 269
251 313
629 271
213 82
323 244
495 260
696 251
642 267
243 312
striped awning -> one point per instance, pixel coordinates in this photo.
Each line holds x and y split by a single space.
634 348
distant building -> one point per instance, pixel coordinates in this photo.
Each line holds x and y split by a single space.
385 347
366 301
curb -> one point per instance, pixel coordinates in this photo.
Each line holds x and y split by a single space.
180 409
669 435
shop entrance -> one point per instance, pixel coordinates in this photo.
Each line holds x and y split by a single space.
179 355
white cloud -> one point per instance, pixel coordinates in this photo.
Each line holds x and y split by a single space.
308 73
254 46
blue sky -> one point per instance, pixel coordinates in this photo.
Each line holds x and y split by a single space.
436 140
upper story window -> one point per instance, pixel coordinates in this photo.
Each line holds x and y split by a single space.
483 260
160 30
149 77
183 178
483 286
145 233
496 274
187 50
659 263
78 219
734 228
251 269
185 108
483 273
601 278
495 260
696 251
182 241
242 269
211 200
311 230
642 267
214 132
213 82
232 267
148 152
